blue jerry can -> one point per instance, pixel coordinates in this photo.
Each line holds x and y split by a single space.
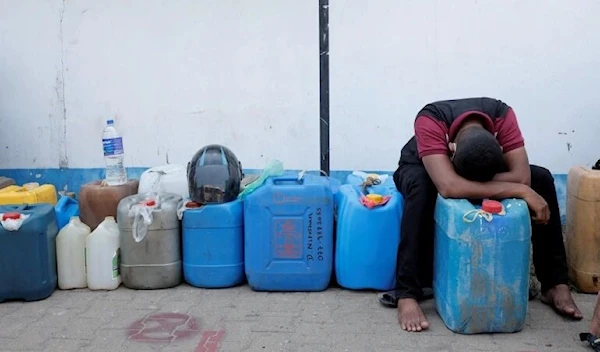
213 245
481 265
288 224
367 240
28 254
65 209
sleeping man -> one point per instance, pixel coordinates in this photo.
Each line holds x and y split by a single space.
472 148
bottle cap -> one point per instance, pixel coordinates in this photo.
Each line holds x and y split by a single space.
12 216
110 122
491 206
375 197
150 203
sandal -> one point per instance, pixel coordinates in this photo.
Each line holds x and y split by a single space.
593 340
390 298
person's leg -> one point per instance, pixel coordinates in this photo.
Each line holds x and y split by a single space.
595 324
549 255
593 337
416 237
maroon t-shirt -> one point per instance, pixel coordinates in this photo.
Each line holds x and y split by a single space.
433 136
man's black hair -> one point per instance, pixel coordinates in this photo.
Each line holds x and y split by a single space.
478 155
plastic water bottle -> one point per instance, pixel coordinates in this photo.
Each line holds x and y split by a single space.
113 155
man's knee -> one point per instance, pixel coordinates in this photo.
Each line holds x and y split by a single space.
411 178
540 177
420 186
396 178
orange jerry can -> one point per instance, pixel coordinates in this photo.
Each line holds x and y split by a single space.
5 182
98 200
583 228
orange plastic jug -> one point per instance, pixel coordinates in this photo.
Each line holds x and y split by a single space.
5 182
583 228
29 193
97 201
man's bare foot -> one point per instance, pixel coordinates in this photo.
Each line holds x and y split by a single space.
559 297
410 315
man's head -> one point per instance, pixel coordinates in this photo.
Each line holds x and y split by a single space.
478 155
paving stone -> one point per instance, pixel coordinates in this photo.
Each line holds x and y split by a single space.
239 319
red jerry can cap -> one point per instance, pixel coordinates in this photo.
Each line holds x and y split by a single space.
11 216
192 204
491 206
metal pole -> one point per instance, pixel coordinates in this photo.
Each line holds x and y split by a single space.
324 83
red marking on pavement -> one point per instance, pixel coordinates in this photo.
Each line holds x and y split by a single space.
163 327
210 341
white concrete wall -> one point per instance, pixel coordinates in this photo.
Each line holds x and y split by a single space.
176 74
391 57
182 74
31 84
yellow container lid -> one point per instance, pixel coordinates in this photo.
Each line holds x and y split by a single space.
375 197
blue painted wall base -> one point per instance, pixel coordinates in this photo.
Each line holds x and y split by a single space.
73 179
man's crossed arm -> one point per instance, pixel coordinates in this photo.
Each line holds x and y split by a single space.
515 183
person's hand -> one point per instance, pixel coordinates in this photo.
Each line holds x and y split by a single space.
539 206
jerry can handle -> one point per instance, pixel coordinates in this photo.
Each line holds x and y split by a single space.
18 207
64 201
288 179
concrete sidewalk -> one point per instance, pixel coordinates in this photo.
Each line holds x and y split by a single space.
190 319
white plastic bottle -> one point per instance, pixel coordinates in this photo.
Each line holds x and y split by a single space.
70 254
112 142
104 256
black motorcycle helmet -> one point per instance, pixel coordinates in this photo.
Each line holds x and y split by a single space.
214 175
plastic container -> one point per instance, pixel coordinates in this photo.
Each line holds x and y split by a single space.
29 193
481 268
28 255
70 254
288 225
112 143
335 186
583 228
213 245
170 178
103 256
5 182
66 208
98 200
358 177
150 252
367 240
